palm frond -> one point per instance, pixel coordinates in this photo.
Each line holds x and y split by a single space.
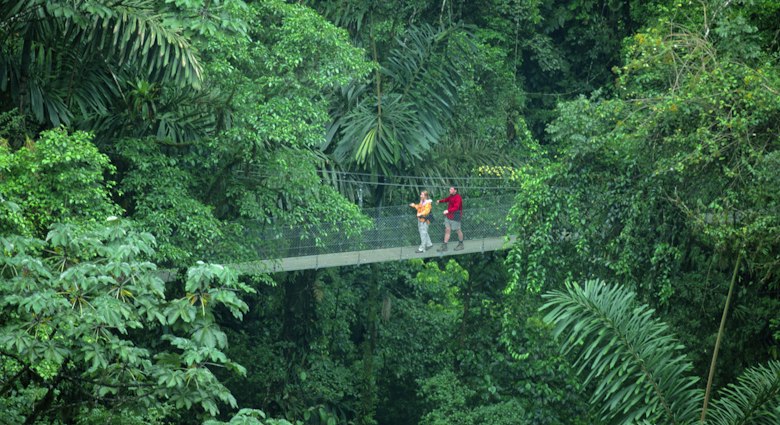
393 126
351 15
130 31
634 362
135 31
168 114
754 399
422 72
61 57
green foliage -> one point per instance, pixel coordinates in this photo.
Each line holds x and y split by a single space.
520 379
659 187
165 198
11 124
166 113
262 166
487 128
449 396
311 339
656 182
154 415
441 286
753 399
537 211
441 102
276 78
538 374
209 18
59 178
78 305
639 371
250 417
391 121
445 392
557 50
60 60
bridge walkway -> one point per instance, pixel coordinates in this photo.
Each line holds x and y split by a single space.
352 258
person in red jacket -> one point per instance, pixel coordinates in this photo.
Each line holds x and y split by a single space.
452 217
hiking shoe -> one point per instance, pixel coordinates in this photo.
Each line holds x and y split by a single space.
442 248
420 250
459 247
428 247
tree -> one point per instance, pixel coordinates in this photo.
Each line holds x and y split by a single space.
664 185
204 170
387 124
440 103
86 319
401 113
57 179
89 329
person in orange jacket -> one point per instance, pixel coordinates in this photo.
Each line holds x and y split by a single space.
423 220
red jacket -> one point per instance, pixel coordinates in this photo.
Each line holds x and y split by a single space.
454 203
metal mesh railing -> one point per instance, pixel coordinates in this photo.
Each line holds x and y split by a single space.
391 227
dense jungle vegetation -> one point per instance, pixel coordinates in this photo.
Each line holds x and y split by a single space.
640 139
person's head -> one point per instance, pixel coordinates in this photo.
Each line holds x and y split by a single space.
453 190
424 195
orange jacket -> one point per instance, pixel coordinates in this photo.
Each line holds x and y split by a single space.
423 209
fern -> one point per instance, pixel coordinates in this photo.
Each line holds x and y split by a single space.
638 370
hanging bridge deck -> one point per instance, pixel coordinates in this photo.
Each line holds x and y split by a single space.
351 258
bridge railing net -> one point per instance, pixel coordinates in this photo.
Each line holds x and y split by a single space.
391 227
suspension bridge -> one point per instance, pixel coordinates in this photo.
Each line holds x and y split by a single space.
391 236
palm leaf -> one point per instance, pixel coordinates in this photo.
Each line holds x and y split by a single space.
636 366
459 154
130 31
754 399
135 31
417 98
60 57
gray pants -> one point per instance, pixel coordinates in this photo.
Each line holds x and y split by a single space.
452 224
425 239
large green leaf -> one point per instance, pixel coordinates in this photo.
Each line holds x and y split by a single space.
636 366
754 399
390 122
61 57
